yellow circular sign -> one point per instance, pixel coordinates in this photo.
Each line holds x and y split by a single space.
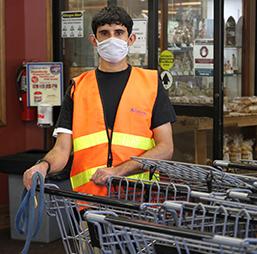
166 60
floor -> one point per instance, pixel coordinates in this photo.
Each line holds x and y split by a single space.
9 246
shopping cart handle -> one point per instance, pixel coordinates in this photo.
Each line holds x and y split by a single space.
221 163
162 229
93 198
236 165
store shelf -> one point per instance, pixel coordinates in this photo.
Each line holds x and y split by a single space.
195 110
201 126
180 50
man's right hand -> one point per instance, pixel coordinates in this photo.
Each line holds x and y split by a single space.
28 174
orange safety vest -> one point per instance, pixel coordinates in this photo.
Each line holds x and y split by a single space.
132 135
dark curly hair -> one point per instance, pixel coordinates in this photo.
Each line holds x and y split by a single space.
112 15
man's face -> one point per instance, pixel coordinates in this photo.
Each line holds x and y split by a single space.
107 31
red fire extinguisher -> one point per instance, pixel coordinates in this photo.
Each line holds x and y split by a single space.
27 113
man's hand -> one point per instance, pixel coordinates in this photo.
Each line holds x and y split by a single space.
28 174
102 174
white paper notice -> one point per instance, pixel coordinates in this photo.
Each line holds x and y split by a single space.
140 29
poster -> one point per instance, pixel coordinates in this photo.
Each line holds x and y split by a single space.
72 24
45 83
203 57
140 29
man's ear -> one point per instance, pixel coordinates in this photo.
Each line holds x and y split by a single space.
92 40
132 39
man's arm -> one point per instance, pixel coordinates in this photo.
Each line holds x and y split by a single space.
163 150
57 157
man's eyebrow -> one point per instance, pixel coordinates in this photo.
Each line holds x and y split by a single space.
120 29
101 30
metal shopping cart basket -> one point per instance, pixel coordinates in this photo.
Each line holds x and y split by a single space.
218 219
137 190
198 177
123 188
126 197
66 205
114 234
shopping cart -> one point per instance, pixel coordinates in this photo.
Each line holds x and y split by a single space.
220 220
126 197
114 234
123 188
65 206
144 201
198 177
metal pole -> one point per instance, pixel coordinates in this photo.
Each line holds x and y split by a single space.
218 79
153 34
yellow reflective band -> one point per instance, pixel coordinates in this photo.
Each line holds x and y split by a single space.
83 177
118 138
132 141
89 140
141 176
146 176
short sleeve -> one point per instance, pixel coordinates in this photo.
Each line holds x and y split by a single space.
163 111
65 116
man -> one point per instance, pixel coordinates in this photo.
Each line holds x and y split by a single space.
110 114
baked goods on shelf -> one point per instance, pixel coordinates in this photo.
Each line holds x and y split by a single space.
243 105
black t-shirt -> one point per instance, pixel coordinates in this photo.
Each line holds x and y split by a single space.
111 85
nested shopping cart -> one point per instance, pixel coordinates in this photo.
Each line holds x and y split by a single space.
130 199
201 195
115 234
198 177
126 197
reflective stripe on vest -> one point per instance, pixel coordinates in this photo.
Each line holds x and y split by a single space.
85 176
118 138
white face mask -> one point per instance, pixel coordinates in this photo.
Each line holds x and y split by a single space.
112 50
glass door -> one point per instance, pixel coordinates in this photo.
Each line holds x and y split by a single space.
188 38
188 35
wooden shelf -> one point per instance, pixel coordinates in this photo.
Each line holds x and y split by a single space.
201 125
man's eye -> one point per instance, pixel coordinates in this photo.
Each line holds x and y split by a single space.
120 32
103 33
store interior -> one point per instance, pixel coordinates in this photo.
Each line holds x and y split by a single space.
207 67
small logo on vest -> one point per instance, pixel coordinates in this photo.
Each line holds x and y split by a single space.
137 111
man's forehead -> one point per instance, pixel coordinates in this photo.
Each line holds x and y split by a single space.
111 27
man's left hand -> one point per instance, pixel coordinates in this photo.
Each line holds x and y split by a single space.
101 175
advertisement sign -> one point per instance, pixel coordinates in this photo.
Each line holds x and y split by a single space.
203 57
45 83
72 24
166 60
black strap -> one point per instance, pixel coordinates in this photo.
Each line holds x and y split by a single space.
109 132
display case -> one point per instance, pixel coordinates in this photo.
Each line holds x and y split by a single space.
188 30
191 41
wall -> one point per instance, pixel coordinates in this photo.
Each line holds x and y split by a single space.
26 38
